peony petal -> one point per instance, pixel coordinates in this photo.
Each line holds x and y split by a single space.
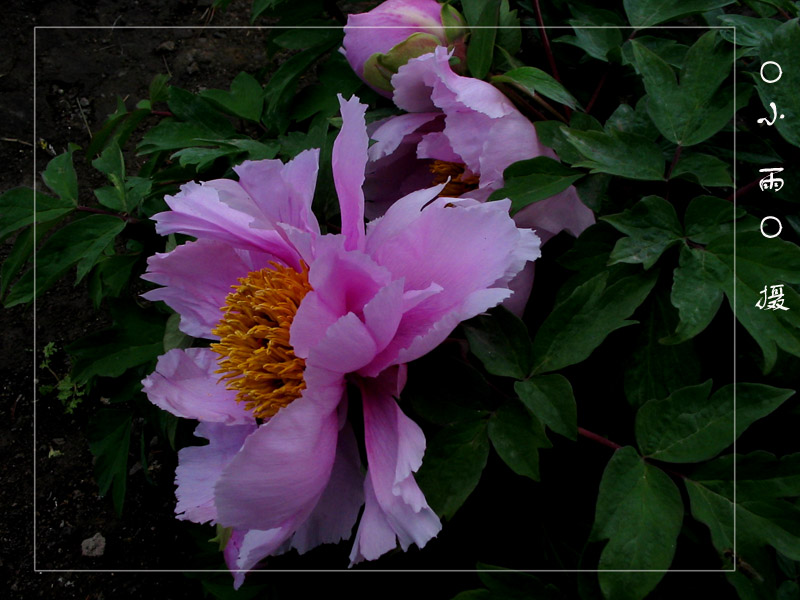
185 384
346 347
374 537
199 210
245 549
436 146
283 192
198 276
283 468
337 510
348 161
393 131
199 467
564 211
395 445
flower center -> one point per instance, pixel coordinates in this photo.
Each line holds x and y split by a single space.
458 184
256 358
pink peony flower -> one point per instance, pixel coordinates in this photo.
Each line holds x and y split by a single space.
302 314
377 43
465 132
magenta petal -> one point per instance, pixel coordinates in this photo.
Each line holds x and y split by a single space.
246 549
564 211
395 445
200 210
198 298
185 384
392 132
283 192
199 467
346 347
336 512
283 468
348 161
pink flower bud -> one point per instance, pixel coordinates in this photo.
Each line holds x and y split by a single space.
377 43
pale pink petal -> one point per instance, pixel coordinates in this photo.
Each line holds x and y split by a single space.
283 468
395 445
246 549
336 512
346 346
185 384
374 536
393 131
283 192
564 211
382 314
198 210
436 146
348 161
521 285
199 467
197 277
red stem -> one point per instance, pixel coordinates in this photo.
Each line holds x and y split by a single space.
742 191
547 48
162 113
598 438
597 92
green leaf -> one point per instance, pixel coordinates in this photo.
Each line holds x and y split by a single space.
81 242
708 218
632 120
693 110
581 322
646 13
195 110
535 179
535 81
750 31
174 337
651 225
668 50
618 153
639 510
782 49
761 262
136 337
109 434
506 584
517 435
110 276
550 398
453 463
481 45
759 522
696 293
759 475
688 426
279 91
501 342
60 176
704 169
509 34
159 90
596 42
656 369
302 38
17 209
112 165
21 252
245 100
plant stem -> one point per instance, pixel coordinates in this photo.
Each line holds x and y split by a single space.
598 438
100 211
547 48
675 158
162 113
742 191
597 91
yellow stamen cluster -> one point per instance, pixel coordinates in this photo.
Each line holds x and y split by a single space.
256 358
458 184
